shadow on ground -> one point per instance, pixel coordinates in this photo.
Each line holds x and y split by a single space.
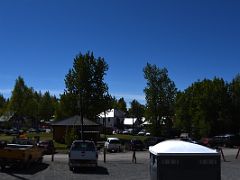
33 169
98 170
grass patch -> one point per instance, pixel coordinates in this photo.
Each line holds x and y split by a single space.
4 137
43 136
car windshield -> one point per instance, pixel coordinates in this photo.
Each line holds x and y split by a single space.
83 146
114 141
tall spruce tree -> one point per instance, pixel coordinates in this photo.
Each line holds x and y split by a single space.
3 103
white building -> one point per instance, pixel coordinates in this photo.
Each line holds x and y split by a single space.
129 121
113 118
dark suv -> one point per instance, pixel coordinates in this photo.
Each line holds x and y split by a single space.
231 140
151 141
136 144
227 140
48 146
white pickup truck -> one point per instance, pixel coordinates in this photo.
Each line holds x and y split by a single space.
83 153
113 144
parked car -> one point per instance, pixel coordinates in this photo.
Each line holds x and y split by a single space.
191 140
113 144
21 152
125 132
231 140
82 154
32 130
151 141
217 141
184 136
3 143
148 134
48 146
227 140
12 132
136 144
141 133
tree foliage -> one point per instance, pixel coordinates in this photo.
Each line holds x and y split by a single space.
136 109
85 87
47 106
120 104
203 109
26 103
160 96
234 90
3 104
21 94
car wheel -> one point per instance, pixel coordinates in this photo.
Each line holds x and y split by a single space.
71 168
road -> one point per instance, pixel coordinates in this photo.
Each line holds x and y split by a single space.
118 166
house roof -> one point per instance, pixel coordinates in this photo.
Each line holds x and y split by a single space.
74 121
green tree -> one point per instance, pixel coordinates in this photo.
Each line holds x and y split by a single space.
234 90
122 105
160 96
3 103
183 120
23 103
136 110
19 97
47 106
85 90
203 109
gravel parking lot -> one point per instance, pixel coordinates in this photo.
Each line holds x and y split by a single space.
118 166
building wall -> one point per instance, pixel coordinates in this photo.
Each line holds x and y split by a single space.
59 132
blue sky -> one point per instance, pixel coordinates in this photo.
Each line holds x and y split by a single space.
192 39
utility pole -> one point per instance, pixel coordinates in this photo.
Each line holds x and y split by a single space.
80 104
81 111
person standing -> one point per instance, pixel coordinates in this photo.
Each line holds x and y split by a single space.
134 159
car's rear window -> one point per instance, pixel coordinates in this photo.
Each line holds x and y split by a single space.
83 146
114 141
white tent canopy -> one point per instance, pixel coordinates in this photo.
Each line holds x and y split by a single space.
178 147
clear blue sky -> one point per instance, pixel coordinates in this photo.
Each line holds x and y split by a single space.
193 39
